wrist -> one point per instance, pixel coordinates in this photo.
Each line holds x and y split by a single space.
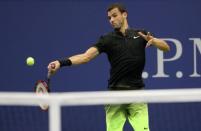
152 41
65 62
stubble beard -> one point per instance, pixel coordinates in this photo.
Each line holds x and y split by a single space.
117 26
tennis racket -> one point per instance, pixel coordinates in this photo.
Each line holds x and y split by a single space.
42 87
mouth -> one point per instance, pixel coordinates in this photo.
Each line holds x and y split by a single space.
114 25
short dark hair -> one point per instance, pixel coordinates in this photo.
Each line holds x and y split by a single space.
119 6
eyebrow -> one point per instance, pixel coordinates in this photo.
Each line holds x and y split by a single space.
112 15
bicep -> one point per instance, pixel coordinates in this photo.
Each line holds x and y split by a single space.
91 53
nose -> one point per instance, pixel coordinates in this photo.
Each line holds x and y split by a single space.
112 20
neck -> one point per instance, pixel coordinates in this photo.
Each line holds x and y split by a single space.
124 27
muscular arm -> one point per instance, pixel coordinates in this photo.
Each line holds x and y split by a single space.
158 43
85 57
76 59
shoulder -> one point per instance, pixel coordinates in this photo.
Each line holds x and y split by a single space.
107 37
102 42
109 34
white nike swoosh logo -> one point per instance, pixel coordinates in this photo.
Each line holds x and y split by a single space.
135 37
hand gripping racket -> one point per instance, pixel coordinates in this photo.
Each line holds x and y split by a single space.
43 87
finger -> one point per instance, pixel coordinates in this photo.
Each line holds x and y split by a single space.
149 35
148 44
52 65
141 34
49 66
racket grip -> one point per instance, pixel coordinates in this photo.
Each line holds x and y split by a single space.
48 75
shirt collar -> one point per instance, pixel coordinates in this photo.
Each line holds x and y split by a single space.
129 32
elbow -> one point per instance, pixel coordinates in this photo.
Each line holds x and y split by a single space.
167 48
86 58
162 45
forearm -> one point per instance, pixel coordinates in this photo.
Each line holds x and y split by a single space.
87 56
160 44
90 54
73 60
79 59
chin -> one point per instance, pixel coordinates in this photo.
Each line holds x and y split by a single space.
116 28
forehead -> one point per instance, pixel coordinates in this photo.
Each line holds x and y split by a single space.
113 11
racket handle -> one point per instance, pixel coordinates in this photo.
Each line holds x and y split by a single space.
48 75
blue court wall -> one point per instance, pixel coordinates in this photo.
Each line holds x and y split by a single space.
48 30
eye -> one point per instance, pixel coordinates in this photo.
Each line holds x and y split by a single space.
109 17
114 15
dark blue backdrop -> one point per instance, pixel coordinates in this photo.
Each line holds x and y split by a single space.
47 30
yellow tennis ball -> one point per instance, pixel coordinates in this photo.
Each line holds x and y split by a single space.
30 61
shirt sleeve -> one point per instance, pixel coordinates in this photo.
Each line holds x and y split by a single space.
100 45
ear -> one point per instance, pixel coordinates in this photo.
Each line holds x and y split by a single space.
125 14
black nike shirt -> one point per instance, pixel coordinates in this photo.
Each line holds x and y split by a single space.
126 55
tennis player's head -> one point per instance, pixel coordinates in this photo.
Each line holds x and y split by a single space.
117 15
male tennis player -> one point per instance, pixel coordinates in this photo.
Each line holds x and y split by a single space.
125 48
